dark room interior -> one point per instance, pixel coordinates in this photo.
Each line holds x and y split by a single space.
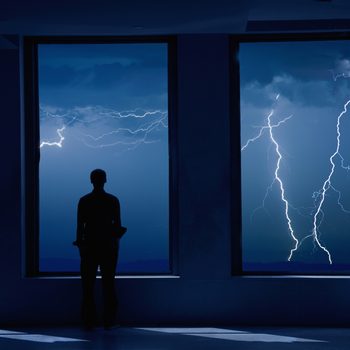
216 289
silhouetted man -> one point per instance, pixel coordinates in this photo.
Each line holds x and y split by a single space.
98 232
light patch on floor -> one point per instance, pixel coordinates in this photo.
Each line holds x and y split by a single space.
257 337
39 338
4 331
192 331
233 335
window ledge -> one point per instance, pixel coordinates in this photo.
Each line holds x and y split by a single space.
294 276
99 277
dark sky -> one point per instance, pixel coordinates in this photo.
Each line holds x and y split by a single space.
307 83
109 103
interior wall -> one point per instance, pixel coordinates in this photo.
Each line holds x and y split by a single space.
205 293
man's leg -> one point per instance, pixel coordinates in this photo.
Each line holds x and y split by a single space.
110 301
88 269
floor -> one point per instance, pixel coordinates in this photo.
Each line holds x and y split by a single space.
176 338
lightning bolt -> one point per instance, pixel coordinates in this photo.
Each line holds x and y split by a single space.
336 76
144 131
339 200
55 143
270 127
319 197
58 131
133 114
327 184
130 137
261 131
281 185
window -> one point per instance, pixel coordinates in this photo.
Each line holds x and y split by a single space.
295 156
103 105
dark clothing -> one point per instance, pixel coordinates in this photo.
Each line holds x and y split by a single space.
98 225
98 218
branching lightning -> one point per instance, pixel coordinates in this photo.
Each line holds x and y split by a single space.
262 129
281 185
339 200
131 137
327 185
318 196
336 76
270 126
55 143
143 131
58 131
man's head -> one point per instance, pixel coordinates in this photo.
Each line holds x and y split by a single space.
98 178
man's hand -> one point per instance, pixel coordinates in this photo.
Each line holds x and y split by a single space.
78 243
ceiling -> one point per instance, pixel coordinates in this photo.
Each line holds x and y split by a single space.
139 17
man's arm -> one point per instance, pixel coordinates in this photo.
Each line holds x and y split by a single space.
116 214
118 228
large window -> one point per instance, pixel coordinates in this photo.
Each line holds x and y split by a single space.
104 106
295 156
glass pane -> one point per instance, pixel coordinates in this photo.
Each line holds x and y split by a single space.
295 150
104 106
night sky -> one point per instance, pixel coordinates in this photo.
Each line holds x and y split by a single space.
109 103
305 85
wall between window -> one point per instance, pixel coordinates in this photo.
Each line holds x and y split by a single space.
205 293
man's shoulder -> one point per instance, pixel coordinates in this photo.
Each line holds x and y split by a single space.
85 197
92 197
84 200
111 197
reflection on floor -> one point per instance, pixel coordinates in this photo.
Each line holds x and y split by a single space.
176 338
227 334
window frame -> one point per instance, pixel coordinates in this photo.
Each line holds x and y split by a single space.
31 141
235 126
